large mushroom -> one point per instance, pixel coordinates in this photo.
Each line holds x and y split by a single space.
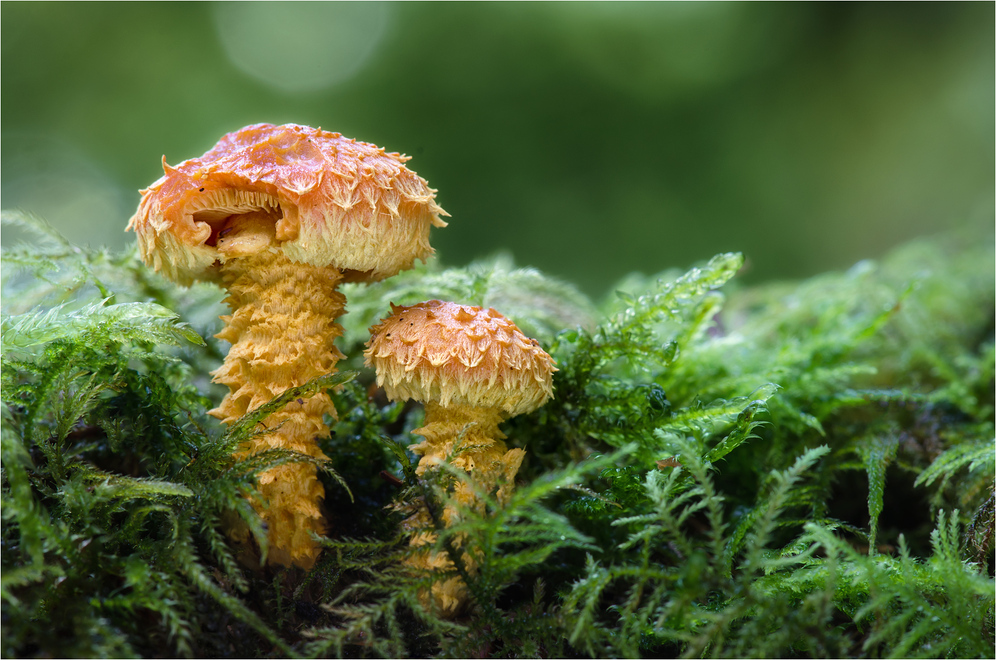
279 216
472 369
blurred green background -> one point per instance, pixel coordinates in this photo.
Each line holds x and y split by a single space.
587 139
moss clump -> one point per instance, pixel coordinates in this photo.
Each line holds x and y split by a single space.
796 469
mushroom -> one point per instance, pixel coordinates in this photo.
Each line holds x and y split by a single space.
279 216
471 369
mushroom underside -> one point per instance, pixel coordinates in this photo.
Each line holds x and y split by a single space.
226 210
365 247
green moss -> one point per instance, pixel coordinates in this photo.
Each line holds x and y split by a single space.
797 469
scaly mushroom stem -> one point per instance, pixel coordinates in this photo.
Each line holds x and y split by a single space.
281 329
470 434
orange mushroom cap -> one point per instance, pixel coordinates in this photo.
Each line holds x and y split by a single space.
335 202
458 354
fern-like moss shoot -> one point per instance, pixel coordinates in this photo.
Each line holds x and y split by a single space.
799 469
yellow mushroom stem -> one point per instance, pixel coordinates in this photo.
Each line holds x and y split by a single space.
469 435
282 329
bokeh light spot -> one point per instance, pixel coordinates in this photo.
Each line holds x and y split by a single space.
300 46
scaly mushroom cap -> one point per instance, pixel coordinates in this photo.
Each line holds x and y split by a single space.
334 202
457 354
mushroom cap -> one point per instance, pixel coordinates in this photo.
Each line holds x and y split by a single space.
335 202
458 354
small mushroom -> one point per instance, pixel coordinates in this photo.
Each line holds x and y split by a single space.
279 216
472 369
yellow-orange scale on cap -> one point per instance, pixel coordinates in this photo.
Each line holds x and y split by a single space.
280 215
471 368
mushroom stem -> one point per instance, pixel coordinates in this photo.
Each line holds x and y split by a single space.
282 329
471 436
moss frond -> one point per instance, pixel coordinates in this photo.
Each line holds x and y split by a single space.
793 469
